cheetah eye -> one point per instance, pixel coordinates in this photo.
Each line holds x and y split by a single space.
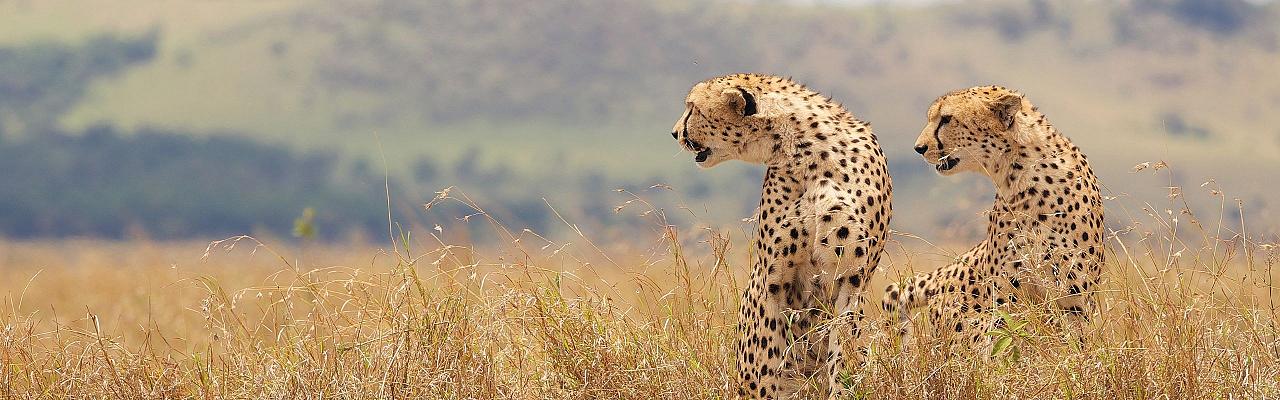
945 120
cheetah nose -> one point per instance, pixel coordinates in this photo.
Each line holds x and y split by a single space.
920 148
673 135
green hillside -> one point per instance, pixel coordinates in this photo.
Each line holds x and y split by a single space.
595 85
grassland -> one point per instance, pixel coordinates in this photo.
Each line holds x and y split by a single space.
1188 312
1188 307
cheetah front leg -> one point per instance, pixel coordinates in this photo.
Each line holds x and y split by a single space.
845 329
1075 288
900 299
916 291
959 327
763 342
845 255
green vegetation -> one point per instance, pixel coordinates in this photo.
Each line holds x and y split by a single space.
171 185
99 183
40 82
549 95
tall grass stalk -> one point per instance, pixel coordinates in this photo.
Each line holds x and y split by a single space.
1187 311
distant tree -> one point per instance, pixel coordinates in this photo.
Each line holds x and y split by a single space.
1041 12
1122 25
1176 126
40 82
595 57
468 165
699 188
1011 24
425 171
1224 17
1218 16
172 184
1014 22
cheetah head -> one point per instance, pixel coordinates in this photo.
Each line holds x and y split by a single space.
723 120
968 130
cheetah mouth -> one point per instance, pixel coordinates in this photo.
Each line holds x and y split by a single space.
946 163
701 154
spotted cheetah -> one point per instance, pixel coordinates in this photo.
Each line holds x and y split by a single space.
1044 238
822 221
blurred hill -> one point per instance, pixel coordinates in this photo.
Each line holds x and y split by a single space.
565 99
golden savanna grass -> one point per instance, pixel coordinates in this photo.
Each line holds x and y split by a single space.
1188 311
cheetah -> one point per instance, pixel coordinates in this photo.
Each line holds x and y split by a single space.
821 222
1044 239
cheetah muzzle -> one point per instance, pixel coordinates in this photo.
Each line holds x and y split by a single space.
946 163
701 153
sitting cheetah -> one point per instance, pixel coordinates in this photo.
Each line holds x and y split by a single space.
823 217
1044 238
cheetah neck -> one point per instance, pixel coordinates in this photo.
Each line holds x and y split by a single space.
814 149
824 128
1047 215
1036 179
1045 157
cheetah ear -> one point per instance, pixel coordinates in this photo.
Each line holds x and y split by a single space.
740 100
1006 107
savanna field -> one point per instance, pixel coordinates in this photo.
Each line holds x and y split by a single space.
480 199
1188 310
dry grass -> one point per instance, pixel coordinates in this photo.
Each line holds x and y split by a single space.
1188 312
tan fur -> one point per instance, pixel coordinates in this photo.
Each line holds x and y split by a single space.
823 217
1044 240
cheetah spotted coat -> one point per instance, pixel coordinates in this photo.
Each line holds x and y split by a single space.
822 220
